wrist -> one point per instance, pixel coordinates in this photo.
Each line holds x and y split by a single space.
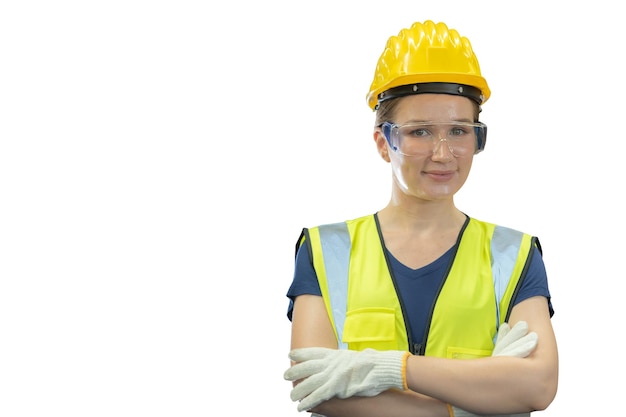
405 359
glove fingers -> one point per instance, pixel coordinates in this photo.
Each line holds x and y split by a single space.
311 392
519 330
303 370
503 331
521 347
305 354
524 346
306 362
305 387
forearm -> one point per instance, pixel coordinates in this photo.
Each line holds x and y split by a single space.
496 385
391 403
489 385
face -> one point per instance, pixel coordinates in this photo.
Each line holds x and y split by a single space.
439 174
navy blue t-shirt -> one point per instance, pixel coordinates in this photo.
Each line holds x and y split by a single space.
420 284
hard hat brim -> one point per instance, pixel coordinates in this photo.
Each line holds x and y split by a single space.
475 87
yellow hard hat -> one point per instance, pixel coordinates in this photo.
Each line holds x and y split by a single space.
427 58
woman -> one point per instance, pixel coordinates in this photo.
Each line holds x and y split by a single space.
383 307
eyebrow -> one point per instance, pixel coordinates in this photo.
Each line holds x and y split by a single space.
438 121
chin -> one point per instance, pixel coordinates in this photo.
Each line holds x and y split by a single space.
435 193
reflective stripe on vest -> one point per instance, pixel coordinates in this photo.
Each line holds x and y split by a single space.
335 240
505 245
336 249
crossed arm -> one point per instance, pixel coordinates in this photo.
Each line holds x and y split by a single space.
488 385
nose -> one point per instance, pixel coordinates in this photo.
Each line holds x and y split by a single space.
442 151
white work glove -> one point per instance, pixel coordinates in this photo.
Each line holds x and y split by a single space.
328 373
509 342
516 341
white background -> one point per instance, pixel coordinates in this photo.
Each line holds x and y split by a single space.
159 159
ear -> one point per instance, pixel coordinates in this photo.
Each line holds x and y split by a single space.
381 144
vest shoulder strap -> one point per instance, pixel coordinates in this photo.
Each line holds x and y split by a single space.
505 250
336 249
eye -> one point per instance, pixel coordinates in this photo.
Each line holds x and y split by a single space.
417 132
459 131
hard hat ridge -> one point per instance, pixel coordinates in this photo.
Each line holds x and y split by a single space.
427 57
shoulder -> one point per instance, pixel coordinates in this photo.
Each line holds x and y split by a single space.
332 230
492 227
351 221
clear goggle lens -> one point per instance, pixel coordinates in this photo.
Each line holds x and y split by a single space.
424 138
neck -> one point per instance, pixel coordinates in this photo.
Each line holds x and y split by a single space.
421 214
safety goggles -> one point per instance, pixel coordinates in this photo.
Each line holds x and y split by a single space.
425 138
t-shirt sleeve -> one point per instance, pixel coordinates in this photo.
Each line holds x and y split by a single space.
536 281
304 277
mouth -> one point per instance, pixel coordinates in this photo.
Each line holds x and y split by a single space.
439 175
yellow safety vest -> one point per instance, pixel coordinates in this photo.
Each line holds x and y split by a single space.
365 310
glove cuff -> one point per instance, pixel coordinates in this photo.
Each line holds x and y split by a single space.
392 363
405 360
